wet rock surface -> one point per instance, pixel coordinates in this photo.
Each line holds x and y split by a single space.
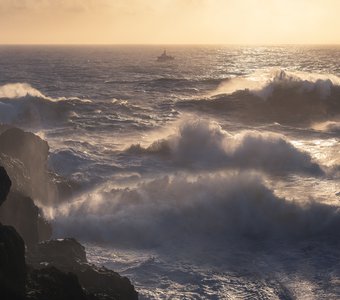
68 255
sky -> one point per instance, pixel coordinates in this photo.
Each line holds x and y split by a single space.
169 22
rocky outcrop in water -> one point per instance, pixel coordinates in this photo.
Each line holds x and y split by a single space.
52 284
12 264
31 152
5 184
57 269
12 253
24 156
68 255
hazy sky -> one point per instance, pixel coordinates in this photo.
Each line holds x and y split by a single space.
169 21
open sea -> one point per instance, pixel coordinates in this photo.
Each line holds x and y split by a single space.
212 176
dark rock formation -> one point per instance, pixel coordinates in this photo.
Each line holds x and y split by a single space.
69 256
12 253
63 252
21 212
51 284
106 284
28 154
26 146
5 185
18 174
58 269
12 264
24 156
42 284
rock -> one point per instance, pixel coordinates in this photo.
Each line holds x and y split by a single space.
12 264
51 284
12 252
67 253
18 174
25 155
32 152
25 158
69 256
26 146
5 185
106 284
21 212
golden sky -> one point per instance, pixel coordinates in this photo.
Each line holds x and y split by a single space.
169 21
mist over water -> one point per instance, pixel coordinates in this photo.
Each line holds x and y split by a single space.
213 176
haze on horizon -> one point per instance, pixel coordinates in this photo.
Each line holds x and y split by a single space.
169 22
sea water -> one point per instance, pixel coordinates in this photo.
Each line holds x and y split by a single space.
212 176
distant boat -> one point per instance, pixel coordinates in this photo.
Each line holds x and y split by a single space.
165 57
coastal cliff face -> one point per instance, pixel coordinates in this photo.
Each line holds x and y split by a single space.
50 269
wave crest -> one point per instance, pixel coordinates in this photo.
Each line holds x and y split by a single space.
280 96
263 84
19 90
204 144
207 208
23 105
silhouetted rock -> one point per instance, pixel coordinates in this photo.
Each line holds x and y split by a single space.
51 284
21 212
12 264
26 146
5 185
69 256
24 155
63 252
105 283
18 174
12 252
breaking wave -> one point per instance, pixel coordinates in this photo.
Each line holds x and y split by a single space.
264 84
329 126
280 96
206 208
204 144
21 104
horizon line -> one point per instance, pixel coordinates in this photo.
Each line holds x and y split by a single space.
169 44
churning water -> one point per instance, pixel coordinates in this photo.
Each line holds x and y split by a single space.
213 176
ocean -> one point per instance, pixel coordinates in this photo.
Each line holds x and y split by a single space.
212 176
